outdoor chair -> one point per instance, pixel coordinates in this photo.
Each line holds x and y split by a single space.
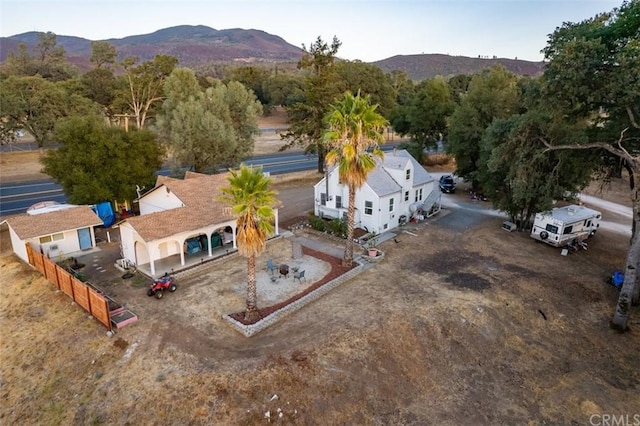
270 266
299 276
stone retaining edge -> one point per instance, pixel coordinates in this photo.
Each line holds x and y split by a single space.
250 330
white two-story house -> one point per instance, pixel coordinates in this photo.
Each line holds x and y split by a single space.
398 190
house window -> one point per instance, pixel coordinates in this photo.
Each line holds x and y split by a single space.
49 238
368 208
338 202
418 195
408 174
406 196
323 199
391 204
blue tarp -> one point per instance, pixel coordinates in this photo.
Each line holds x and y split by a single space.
105 212
618 278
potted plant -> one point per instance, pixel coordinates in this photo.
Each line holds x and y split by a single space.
371 243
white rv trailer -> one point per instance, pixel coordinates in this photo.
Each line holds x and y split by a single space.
565 225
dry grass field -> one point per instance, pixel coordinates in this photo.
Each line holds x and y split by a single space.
455 326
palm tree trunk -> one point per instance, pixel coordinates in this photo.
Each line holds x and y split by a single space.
351 219
252 312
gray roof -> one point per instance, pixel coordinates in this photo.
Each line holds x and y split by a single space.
381 181
398 159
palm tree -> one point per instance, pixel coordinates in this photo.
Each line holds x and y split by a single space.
353 134
251 202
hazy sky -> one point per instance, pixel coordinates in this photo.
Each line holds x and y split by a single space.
368 30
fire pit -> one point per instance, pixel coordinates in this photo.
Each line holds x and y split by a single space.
284 270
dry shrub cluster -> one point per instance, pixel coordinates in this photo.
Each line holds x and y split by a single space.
440 160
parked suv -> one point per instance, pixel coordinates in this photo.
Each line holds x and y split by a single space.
447 184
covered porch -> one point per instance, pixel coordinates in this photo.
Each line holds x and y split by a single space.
173 263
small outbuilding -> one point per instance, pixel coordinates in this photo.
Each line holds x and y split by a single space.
57 231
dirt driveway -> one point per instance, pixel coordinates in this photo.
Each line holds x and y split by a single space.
455 326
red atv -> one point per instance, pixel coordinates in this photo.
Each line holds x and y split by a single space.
163 283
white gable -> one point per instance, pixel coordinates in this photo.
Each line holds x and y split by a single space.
160 199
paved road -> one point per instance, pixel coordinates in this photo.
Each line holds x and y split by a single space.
17 197
616 217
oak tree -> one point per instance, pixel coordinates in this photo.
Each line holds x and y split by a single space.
593 77
211 129
98 162
321 88
145 83
424 115
34 104
492 94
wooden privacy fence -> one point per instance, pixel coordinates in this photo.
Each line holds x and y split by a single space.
84 294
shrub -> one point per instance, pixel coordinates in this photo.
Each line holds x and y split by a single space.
338 227
317 223
438 160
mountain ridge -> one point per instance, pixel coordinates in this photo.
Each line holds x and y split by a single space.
421 66
199 45
193 45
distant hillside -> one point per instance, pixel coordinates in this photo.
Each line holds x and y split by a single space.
419 67
192 45
196 46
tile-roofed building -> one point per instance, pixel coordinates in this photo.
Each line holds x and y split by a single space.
58 232
181 205
179 215
398 189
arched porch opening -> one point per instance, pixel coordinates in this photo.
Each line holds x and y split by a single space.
141 253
